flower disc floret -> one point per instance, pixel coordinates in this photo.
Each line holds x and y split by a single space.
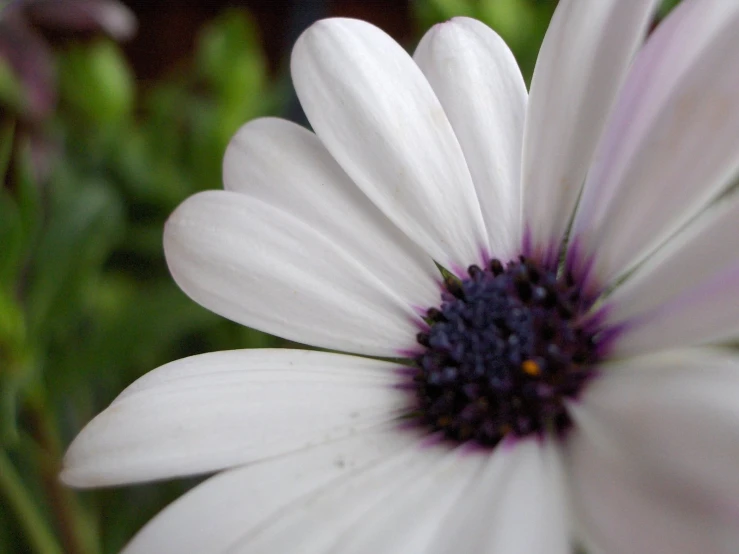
503 353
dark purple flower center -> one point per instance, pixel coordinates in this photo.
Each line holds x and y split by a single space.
503 353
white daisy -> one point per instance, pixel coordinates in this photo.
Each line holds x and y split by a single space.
559 392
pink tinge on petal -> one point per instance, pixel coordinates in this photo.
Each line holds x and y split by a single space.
670 145
687 284
705 313
581 66
654 454
547 255
619 511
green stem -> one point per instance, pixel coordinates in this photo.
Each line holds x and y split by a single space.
73 525
40 536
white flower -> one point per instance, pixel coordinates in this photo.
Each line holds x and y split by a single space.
602 420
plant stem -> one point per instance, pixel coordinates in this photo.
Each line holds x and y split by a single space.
71 521
40 536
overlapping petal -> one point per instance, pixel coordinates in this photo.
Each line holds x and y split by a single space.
294 249
287 167
236 504
416 510
224 409
316 523
371 106
517 504
673 141
654 460
581 65
261 266
479 84
681 295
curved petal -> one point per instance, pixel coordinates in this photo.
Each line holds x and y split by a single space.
262 267
481 89
371 106
315 523
223 409
622 512
217 514
286 166
672 143
516 505
415 513
682 295
654 463
582 63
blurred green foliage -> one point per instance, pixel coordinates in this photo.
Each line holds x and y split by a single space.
86 302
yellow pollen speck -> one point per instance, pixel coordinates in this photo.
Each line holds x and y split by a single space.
530 367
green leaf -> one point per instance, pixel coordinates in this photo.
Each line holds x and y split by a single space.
512 19
85 222
666 7
96 82
11 89
14 363
7 134
27 193
11 238
137 328
431 12
230 57
231 60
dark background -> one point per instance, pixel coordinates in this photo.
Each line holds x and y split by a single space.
169 27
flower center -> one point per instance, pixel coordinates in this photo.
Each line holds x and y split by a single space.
503 353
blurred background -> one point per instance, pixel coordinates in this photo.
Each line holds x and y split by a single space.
111 113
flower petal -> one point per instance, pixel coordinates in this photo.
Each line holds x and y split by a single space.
218 410
654 463
404 504
621 512
582 63
414 512
682 294
373 109
286 166
260 266
217 514
480 86
516 505
315 523
673 141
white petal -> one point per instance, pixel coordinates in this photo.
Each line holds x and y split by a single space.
416 512
260 266
684 293
623 513
373 109
673 141
220 512
315 523
479 84
581 66
218 410
517 505
654 465
286 166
